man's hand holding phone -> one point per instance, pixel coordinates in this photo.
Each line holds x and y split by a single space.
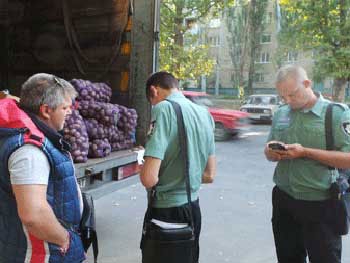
277 146
274 150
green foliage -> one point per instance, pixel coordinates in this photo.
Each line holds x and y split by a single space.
257 10
240 93
238 41
245 27
197 8
187 60
189 63
320 26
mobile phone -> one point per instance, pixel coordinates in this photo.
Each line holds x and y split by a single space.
277 146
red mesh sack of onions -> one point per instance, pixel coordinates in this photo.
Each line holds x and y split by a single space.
127 120
89 91
104 113
75 133
96 130
122 145
99 148
119 140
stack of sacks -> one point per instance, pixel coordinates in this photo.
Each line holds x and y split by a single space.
110 127
75 133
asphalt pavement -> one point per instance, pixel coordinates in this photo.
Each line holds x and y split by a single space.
236 210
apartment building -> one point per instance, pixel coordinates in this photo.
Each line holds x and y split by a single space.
266 61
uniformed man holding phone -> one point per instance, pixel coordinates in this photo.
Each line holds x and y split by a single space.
302 217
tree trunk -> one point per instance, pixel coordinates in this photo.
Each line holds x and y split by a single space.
252 47
251 72
339 85
178 33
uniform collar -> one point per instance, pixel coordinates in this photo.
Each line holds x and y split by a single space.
318 107
175 95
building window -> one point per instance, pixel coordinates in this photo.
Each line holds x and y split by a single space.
259 77
214 41
187 42
266 38
218 41
236 52
263 57
267 18
190 22
292 56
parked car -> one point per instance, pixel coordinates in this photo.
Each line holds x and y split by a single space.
228 122
261 107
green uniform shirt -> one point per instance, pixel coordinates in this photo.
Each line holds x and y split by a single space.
164 144
304 178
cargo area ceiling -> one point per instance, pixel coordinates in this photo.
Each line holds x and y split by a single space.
63 35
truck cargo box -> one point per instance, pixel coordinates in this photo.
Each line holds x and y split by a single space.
101 41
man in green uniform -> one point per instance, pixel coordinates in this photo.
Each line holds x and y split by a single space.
163 164
302 214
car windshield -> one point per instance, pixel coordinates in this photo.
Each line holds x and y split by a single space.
257 100
203 100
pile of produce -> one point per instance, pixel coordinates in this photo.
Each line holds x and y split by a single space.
75 133
126 125
108 127
105 113
89 91
99 148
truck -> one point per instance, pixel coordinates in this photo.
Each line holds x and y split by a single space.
111 41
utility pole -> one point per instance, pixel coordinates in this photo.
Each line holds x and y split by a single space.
203 83
217 74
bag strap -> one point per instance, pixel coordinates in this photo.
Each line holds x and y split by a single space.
184 153
329 130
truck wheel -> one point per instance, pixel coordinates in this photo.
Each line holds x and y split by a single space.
220 133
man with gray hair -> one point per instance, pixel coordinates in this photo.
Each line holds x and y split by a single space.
40 206
303 215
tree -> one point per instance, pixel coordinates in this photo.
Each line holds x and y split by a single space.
323 27
190 60
237 39
257 10
245 25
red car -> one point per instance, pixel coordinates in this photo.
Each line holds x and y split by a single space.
228 123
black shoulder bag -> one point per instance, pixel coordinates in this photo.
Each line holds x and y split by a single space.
340 195
169 244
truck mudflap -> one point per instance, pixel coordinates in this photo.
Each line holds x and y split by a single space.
101 176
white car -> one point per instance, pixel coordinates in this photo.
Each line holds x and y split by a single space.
261 107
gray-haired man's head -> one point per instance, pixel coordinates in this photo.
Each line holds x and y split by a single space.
43 88
291 71
294 87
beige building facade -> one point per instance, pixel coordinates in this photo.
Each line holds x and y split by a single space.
266 61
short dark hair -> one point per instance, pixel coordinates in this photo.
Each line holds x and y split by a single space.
162 79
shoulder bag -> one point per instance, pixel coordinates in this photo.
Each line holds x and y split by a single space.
170 244
340 191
